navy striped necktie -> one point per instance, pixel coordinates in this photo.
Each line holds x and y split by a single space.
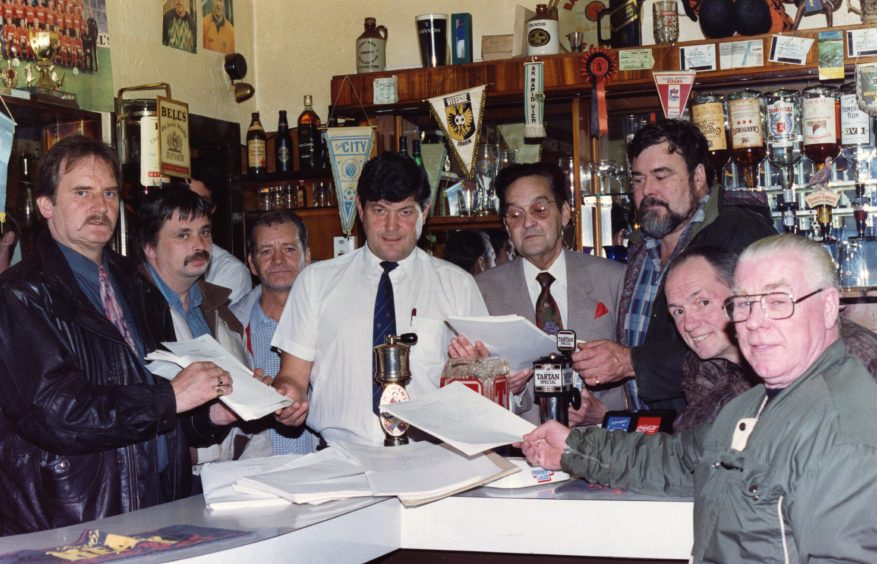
384 323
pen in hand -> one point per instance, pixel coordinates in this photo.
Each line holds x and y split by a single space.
451 328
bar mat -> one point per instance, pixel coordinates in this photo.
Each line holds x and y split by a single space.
95 545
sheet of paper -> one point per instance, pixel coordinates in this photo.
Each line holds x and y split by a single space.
511 336
464 419
217 479
421 469
313 492
250 399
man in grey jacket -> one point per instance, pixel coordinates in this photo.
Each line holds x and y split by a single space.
788 470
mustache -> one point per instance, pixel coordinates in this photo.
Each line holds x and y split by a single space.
101 218
205 255
650 201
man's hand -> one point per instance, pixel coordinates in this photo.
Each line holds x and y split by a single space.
518 380
199 383
460 347
544 445
590 413
6 244
293 415
602 362
259 375
220 414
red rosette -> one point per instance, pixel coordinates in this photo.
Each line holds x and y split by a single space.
599 65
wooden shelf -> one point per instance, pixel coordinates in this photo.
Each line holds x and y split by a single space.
451 223
563 76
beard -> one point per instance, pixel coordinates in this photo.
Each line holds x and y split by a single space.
658 225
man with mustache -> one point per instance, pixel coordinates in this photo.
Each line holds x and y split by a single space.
173 230
277 252
86 431
676 209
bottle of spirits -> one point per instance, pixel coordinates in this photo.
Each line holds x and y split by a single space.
821 124
708 113
309 144
857 131
403 145
784 133
256 140
789 209
418 158
283 145
746 113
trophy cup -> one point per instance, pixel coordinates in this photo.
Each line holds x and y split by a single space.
47 89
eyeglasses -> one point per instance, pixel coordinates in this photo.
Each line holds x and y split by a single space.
774 305
540 210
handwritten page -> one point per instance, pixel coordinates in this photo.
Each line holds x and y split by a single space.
250 399
511 336
463 418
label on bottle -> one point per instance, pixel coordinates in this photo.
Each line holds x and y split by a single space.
283 155
542 37
150 169
746 128
306 146
855 125
370 54
781 122
256 153
709 117
819 123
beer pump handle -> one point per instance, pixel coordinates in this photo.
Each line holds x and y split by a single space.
409 339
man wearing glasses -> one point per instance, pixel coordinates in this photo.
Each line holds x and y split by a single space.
788 470
677 209
550 285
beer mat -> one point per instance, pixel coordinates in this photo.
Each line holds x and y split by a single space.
94 545
528 476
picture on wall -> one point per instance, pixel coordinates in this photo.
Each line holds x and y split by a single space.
80 52
178 25
217 25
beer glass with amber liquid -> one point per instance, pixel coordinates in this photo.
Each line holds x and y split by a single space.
821 124
748 148
709 114
784 132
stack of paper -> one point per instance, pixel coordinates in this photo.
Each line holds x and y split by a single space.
251 399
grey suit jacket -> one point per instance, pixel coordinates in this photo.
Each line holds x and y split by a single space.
590 281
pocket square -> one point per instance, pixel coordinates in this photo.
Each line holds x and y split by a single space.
601 310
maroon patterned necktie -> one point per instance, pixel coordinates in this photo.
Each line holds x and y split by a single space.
112 309
547 313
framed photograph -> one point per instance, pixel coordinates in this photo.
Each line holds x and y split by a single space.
178 25
217 25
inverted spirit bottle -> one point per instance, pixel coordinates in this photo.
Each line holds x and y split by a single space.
746 114
821 124
784 132
709 114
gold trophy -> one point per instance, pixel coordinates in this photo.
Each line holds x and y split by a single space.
47 89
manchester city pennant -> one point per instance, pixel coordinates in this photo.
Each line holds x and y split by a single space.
459 114
349 149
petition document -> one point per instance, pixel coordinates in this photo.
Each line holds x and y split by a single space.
511 336
463 418
250 399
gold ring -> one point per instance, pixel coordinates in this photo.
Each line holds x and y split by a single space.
219 391
596 381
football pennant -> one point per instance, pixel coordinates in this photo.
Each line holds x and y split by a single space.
349 149
459 114
673 90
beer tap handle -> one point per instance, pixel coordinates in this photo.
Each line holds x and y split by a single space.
409 339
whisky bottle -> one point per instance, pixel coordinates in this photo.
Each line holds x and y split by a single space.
256 140
821 124
748 149
309 144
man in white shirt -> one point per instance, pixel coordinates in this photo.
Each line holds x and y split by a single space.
327 328
224 269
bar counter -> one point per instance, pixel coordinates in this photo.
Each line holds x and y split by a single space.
569 518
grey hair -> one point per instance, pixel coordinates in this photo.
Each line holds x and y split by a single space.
820 270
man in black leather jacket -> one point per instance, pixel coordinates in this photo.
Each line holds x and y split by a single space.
86 431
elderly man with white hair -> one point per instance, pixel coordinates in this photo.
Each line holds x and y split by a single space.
788 470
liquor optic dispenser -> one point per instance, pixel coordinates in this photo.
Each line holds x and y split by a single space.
393 374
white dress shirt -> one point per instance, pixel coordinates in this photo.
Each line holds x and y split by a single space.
558 287
228 271
328 320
